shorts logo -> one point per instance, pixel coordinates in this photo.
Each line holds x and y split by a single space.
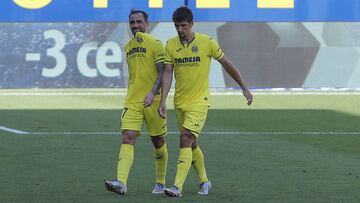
180 161
195 49
139 39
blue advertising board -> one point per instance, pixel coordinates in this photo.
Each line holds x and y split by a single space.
161 10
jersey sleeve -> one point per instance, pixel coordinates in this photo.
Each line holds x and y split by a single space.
159 51
216 51
168 57
126 48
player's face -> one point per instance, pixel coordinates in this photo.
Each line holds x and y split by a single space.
183 28
138 23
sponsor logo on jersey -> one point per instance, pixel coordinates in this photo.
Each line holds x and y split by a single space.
188 59
136 50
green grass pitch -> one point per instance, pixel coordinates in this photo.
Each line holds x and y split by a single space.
284 148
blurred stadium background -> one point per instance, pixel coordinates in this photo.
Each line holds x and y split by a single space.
270 55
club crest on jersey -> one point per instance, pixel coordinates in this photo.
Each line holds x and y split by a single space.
195 49
139 39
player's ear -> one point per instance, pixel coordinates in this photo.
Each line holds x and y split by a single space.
191 24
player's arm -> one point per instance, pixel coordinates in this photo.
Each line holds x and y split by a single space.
236 75
149 98
165 88
159 52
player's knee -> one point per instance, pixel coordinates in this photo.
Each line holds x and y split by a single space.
186 139
194 145
158 141
129 137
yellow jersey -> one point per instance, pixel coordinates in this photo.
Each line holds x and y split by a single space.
143 51
191 68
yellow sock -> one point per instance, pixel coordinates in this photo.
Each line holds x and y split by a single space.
126 157
161 156
183 167
198 164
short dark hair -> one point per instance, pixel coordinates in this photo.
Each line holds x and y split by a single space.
182 13
133 11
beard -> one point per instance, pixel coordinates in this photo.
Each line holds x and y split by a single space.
134 31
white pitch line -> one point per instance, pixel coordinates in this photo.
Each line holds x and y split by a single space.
211 93
3 128
206 133
62 94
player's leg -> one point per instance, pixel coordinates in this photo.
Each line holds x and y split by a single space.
175 191
183 163
131 119
126 155
192 120
157 130
185 157
161 160
198 161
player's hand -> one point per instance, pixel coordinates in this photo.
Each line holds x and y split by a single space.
162 111
249 97
149 99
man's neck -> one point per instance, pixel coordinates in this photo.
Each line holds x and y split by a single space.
188 38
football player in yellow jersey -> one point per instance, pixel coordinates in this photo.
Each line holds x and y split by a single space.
188 56
145 57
